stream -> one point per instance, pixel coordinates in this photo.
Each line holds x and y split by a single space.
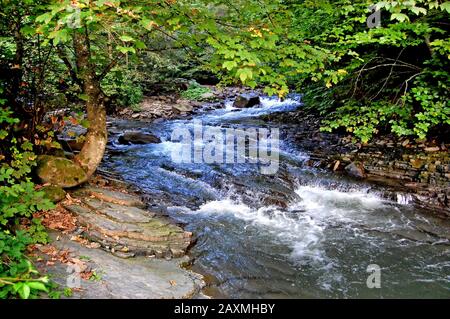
299 233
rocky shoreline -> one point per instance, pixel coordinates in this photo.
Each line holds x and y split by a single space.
107 244
419 169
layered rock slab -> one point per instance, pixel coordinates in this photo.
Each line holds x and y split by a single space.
136 278
127 230
111 196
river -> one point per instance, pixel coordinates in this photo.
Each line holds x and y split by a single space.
299 233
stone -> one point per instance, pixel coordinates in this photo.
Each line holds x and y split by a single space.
416 163
142 232
207 96
138 138
356 169
59 171
54 193
246 101
432 149
125 278
71 145
184 107
405 143
336 165
112 196
118 212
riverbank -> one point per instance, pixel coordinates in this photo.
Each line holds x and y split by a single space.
169 107
107 244
295 218
416 168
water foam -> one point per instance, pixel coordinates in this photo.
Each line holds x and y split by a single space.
302 224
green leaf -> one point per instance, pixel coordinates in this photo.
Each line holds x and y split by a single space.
24 291
83 97
445 6
126 38
126 50
28 30
37 286
418 10
399 17
46 18
229 65
140 45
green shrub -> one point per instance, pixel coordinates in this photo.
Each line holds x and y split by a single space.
123 87
195 91
18 200
392 79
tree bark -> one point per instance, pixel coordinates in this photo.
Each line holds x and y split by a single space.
94 146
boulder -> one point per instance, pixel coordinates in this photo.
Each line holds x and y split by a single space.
138 138
54 193
183 107
356 169
207 96
59 171
246 100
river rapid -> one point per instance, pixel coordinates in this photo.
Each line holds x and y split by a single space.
299 233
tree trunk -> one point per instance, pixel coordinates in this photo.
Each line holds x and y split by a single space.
94 146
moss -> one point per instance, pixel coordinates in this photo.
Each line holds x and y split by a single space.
54 193
59 171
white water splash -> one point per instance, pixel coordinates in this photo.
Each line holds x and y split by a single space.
303 223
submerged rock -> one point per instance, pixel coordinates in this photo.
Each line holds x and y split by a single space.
246 100
138 138
59 171
356 169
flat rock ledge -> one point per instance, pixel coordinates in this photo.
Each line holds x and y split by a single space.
121 225
118 278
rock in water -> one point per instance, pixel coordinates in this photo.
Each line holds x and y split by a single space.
356 169
245 101
138 138
59 171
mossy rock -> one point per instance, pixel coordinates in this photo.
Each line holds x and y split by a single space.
59 171
54 193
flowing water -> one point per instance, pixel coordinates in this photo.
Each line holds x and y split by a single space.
300 233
